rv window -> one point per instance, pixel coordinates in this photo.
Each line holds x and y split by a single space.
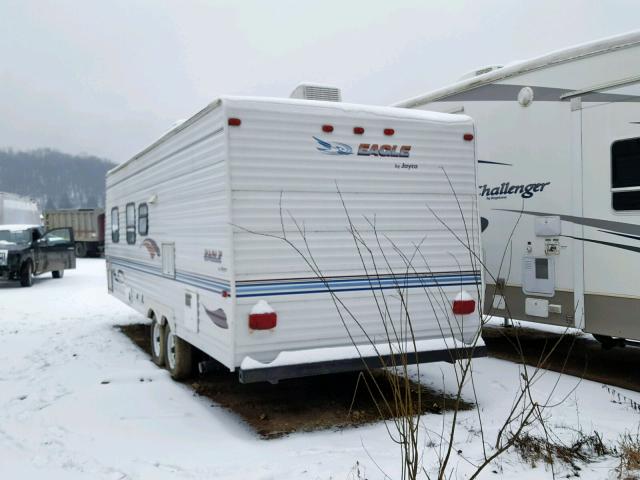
625 174
115 225
542 268
131 223
143 219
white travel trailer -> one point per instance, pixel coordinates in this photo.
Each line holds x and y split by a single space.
559 154
15 209
193 222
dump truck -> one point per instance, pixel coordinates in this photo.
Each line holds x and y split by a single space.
87 225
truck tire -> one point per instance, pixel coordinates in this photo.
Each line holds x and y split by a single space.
26 274
81 249
57 273
178 355
157 338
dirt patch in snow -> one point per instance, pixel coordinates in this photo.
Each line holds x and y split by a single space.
303 404
578 355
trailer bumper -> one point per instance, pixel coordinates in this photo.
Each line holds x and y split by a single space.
268 373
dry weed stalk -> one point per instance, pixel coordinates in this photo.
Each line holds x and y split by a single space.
527 412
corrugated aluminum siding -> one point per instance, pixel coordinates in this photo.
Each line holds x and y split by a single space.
183 180
276 168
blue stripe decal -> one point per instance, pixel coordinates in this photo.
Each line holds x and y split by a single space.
191 278
206 278
134 267
365 278
253 289
352 285
199 285
325 290
366 282
152 270
199 278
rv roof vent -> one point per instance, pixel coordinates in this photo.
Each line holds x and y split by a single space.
480 71
309 91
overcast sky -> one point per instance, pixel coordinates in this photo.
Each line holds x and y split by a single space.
108 77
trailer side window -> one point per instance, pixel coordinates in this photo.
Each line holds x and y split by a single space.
115 225
625 174
143 219
131 223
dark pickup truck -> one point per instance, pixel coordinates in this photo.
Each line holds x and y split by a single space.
27 250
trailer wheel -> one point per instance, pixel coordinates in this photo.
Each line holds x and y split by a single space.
26 274
57 273
178 355
157 342
81 249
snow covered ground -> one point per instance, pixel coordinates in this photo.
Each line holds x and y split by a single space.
79 400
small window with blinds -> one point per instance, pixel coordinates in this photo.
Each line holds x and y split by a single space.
131 223
115 225
143 219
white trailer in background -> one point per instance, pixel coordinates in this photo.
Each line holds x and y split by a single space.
16 209
192 223
559 154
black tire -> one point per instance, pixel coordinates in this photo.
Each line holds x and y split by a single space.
157 338
178 355
57 273
81 250
26 274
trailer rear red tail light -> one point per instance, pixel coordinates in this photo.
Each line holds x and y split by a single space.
468 136
389 131
358 130
464 306
263 321
234 122
327 128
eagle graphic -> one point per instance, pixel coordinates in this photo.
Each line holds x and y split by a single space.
152 247
218 317
334 148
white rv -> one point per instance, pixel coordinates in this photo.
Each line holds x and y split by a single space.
15 209
559 183
193 221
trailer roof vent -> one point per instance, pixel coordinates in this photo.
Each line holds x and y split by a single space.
480 71
310 91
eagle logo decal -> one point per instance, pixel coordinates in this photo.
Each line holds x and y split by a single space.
218 317
334 148
152 247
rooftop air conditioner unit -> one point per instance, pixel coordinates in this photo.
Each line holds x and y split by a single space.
324 93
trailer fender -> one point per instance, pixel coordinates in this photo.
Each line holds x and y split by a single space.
162 313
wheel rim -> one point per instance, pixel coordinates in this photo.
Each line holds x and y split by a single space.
171 350
155 338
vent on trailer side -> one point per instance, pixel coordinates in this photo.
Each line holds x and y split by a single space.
324 93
